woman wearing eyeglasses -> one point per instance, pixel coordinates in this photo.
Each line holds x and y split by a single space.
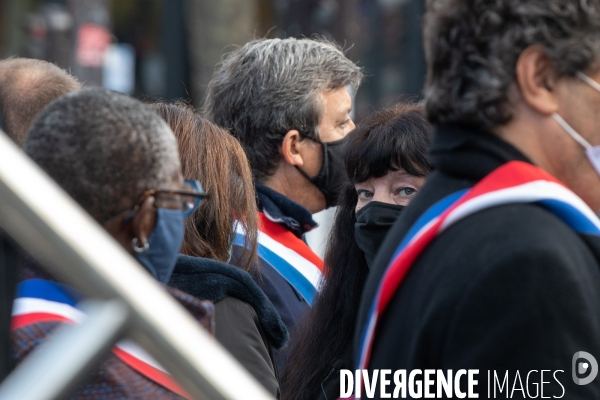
247 324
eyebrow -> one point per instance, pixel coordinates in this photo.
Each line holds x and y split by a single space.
408 175
346 117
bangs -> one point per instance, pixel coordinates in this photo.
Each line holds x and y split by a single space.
389 140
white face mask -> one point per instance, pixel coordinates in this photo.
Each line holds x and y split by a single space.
592 152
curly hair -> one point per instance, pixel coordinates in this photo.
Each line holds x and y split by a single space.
103 148
270 86
472 48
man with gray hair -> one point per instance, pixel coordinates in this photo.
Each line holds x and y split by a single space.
288 102
494 267
26 87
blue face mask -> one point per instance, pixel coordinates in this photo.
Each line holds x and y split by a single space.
160 255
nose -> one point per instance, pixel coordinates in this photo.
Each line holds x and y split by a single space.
383 196
352 124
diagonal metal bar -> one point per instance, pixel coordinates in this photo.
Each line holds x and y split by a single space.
54 369
46 222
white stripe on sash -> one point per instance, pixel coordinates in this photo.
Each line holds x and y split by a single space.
133 349
309 270
31 305
525 193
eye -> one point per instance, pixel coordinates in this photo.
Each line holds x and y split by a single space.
406 191
364 194
344 124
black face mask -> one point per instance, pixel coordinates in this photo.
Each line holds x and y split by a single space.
373 222
330 178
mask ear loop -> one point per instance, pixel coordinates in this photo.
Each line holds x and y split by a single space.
324 161
588 80
571 131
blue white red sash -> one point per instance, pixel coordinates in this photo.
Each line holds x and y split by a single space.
514 182
40 300
289 255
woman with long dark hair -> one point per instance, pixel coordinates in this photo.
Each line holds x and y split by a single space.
386 164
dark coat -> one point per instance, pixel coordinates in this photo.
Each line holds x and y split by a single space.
290 305
247 324
508 288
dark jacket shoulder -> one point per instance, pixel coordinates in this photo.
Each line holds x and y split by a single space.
497 291
247 324
213 280
509 288
239 330
288 303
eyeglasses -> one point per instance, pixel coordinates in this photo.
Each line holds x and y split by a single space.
187 199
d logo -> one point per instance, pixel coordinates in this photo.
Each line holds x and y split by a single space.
584 366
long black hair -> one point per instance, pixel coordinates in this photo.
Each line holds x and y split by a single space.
388 140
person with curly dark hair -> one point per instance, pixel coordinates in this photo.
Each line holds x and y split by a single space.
495 264
118 160
386 164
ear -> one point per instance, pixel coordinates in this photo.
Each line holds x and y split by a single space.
292 148
144 221
536 80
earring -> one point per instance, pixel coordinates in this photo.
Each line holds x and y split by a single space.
139 249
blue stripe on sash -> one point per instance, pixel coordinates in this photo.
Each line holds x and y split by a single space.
434 211
46 290
571 216
285 269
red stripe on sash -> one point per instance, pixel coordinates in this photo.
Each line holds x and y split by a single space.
501 178
20 321
513 173
149 371
282 235
145 369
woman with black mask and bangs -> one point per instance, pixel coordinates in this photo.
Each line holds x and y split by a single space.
386 162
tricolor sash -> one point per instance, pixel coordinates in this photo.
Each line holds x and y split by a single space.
289 256
39 300
513 182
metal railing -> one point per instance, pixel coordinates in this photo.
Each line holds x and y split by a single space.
126 301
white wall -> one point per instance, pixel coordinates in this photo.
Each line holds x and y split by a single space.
317 238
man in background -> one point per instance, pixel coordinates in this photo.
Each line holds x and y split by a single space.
26 87
288 102
494 266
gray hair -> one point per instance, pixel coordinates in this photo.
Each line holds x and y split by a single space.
103 148
271 86
472 48
26 87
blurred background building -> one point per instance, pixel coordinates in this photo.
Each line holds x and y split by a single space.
168 49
